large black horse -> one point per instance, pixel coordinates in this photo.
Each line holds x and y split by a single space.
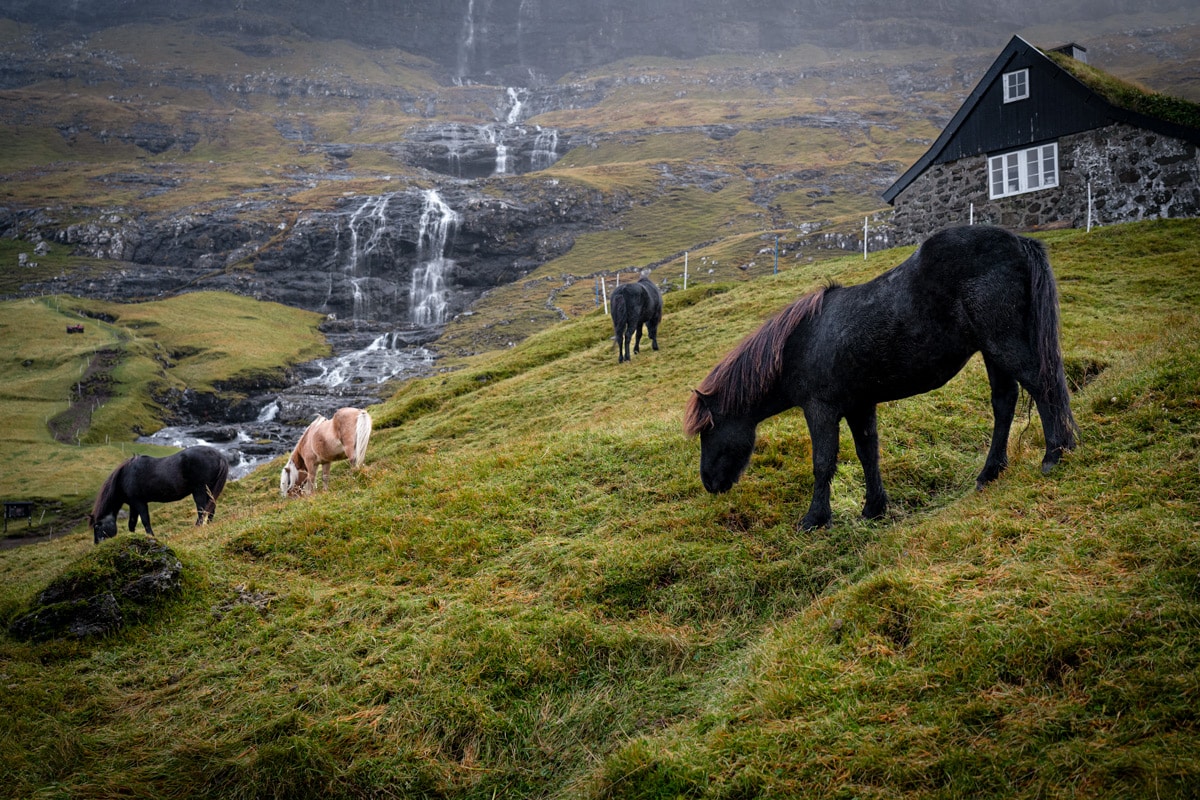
839 351
199 471
632 305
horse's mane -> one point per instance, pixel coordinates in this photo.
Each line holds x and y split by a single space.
743 377
297 456
108 489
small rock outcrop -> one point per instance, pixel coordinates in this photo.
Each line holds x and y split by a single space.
113 586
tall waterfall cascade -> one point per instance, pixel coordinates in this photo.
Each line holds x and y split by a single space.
428 295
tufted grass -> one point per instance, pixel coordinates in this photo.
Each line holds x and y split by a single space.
526 592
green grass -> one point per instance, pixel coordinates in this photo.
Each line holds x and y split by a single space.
526 592
145 352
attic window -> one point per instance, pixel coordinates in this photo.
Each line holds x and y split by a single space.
1016 85
1023 170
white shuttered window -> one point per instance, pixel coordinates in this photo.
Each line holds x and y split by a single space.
1023 170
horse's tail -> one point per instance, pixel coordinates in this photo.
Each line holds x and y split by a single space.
218 485
620 313
362 437
1044 308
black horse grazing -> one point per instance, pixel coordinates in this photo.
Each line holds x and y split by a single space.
199 471
632 305
839 351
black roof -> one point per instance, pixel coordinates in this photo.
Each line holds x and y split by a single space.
1090 110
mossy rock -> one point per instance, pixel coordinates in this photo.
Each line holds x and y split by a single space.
113 586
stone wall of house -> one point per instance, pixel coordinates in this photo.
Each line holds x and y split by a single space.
1134 174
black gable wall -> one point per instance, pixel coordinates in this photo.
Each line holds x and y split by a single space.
1058 105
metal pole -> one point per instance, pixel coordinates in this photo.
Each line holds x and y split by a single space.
776 254
685 269
1089 212
865 219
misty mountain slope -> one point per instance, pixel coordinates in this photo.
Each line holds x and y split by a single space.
521 42
238 129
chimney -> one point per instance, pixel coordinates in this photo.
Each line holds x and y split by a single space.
1075 51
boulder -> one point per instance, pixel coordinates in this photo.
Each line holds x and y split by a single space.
116 584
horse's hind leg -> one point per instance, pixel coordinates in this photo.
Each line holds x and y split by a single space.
637 338
1058 426
652 330
1004 406
206 506
865 430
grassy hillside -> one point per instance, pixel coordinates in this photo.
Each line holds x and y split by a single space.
74 403
527 593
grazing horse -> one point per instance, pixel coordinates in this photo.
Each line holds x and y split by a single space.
635 304
200 471
839 351
324 441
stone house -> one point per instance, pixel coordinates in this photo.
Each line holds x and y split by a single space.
1047 141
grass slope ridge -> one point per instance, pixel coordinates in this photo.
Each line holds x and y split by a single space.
526 592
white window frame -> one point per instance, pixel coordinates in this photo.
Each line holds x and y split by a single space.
1021 171
1016 85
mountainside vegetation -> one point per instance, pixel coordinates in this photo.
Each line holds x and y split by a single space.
527 593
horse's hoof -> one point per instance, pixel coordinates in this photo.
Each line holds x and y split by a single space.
874 513
812 522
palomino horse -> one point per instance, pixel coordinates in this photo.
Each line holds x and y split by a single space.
200 471
323 442
839 351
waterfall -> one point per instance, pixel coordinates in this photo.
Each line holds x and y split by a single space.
516 100
367 226
428 294
545 148
466 47
495 136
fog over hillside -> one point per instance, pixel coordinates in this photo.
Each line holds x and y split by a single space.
523 42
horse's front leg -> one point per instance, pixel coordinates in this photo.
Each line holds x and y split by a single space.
1004 406
325 474
865 430
141 511
823 431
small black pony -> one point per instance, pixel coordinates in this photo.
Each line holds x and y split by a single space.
839 351
632 305
199 471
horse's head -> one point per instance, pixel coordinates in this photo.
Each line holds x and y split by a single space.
287 478
726 443
103 528
292 480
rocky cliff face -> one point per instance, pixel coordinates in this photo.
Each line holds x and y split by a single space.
363 260
526 42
